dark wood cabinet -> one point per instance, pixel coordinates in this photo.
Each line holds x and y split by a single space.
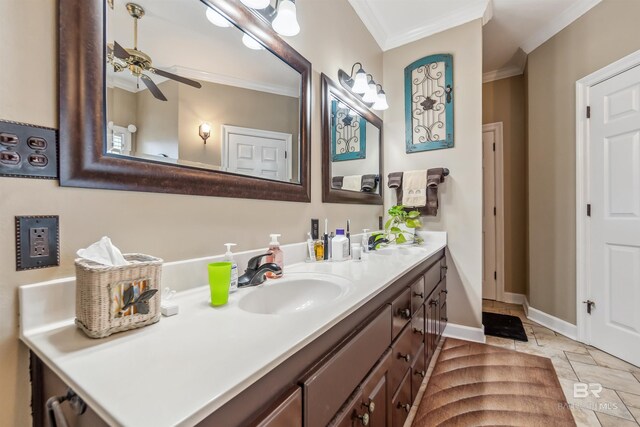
366 370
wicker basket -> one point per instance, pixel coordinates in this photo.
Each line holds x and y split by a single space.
100 294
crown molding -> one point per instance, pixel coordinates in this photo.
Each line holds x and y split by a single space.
500 74
482 10
558 24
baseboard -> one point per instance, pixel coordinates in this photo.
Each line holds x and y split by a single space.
466 333
558 325
513 298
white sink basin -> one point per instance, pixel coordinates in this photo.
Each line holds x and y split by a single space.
294 293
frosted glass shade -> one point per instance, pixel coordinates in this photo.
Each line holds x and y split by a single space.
216 19
256 4
381 102
371 95
360 83
251 43
286 22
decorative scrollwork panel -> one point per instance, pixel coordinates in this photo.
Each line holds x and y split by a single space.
348 130
429 103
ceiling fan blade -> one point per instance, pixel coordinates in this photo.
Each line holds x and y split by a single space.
155 90
176 77
120 52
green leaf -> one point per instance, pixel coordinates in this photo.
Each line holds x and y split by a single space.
378 237
395 230
411 223
401 239
388 223
414 214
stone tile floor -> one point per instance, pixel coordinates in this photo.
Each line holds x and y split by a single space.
618 403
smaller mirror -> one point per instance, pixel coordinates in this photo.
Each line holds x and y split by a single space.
352 148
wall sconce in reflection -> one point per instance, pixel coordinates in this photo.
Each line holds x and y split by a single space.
363 87
204 130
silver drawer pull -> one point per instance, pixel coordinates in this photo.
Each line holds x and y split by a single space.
404 406
371 406
364 419
406 357
418 294
406 313
421 373
418 331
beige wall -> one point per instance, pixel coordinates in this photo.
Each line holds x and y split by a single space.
121 107
504 101
605 34
229 105
460 211
170 226
157 121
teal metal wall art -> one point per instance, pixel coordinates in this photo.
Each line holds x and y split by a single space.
348 133
428 85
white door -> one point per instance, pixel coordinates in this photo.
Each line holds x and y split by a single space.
256 152
489 275
614 226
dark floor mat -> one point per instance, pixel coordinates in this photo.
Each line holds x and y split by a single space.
503 326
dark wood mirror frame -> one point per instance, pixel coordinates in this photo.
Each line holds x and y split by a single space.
83 163
334 195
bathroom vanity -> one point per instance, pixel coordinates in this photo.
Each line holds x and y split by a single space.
350 346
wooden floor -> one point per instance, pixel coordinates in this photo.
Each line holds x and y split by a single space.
619 402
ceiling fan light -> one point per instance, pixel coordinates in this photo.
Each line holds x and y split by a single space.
381 102
250 42
256 4
371 95
286 22
216 19
360 84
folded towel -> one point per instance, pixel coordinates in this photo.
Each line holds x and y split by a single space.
369 182
336 181
435 176
395 180
352 183
414 188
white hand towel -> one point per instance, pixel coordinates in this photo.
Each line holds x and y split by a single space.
414 188
352 183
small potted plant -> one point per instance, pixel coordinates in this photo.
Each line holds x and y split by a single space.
400 227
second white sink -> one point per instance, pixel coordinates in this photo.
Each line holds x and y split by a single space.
294 293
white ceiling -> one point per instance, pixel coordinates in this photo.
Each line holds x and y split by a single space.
179 38
513 28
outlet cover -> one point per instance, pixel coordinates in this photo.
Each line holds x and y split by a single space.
37 242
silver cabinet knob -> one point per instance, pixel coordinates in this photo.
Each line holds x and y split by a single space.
405 406
406 357
418 331
421 373
406 313
364 419
370 405
418 294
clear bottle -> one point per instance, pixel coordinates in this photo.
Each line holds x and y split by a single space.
228 257
277 257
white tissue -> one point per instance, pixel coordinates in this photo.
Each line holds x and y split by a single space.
103 252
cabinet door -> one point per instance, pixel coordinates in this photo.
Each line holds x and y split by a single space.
417 294
401 357
401 404
351 414
285 413
376 394
418 372
418 328
443 306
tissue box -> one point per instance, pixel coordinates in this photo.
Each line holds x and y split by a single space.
102 294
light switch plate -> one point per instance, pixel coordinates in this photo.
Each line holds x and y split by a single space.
37 242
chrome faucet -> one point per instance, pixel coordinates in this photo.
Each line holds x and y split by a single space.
255 273
373 243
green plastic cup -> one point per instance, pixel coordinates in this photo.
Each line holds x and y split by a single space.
219 281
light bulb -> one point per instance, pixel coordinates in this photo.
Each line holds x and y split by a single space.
360 83
256 4
285 22
216 19
251 43
381 102
371 95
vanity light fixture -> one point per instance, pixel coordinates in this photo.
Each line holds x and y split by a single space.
216 19
256 4
204 130
364 87
381 101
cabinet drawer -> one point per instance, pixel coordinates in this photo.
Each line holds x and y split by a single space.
418 372
418 328
432 278
329 387
443 267
401 357
417 294
286 412
401 307
401 403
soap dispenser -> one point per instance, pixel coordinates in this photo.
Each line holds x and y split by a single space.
276 256
228 257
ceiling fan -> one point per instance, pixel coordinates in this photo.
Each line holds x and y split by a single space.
137 62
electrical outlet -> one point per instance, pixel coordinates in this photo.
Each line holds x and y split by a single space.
37 242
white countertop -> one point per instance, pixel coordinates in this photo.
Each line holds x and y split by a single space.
183 368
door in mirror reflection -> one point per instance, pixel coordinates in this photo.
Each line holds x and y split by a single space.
176 67
355 150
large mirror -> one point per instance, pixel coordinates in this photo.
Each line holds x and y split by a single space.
197 97
352 148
